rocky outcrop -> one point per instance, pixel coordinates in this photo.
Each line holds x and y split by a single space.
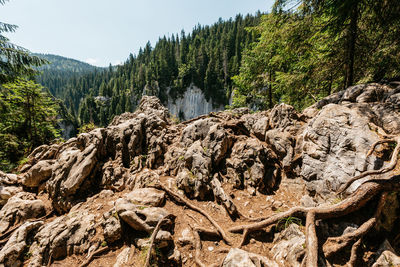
192 104
207 176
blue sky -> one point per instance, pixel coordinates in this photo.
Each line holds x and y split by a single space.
106 31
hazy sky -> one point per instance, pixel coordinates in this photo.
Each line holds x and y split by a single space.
106 31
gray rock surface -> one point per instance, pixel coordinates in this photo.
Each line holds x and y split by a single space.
111 226
11 253
240 258
19 208
289 246
146 196
251 166
64 236
139 217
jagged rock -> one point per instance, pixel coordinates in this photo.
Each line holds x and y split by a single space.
335 144
257 123
186 237
289 246
111 226
142 179
240 258
163 239
194 180
113 175
123 258
146 196
197 130
73 169
19 208
251 165
282 143
66 235
141 218
11 254
284 117
39 173
222 197
386 256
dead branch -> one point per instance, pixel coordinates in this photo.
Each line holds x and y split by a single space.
388 168
182 200
153 238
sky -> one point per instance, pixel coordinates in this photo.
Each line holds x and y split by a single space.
101 32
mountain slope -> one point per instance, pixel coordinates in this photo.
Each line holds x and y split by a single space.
59 72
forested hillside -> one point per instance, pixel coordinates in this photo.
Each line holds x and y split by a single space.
59 71
208 57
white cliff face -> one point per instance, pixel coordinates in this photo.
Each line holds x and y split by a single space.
192 104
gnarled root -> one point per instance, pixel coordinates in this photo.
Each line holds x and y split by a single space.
353 203
182 200
388 168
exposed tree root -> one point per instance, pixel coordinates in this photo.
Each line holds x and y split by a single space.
95 253
335 244
153 238
388 168
353 203
182 200
311 241
354 252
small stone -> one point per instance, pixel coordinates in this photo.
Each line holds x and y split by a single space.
246 203
210 249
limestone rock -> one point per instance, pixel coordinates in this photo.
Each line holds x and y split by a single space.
122 258
251 166
11 254
386 256
335 144
111 226
186 237
146 196
19 208
66 235
289 246
141 218
240 258
39 173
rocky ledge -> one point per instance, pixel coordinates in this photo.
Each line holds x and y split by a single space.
232 188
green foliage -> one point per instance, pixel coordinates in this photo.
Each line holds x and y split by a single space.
285 222
88 127
28 118
314 48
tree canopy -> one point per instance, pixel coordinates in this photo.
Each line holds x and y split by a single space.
309 49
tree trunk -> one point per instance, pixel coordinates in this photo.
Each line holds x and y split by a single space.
352 37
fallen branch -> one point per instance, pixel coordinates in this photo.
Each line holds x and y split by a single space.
195 208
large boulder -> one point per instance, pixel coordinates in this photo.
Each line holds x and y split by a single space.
252 166
19 208
335 145
12 252
69 234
